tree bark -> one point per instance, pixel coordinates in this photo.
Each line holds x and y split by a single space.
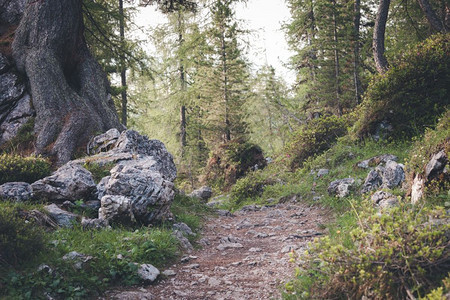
356 24
336 62
70 91
182 71
435 22
378 36
123 67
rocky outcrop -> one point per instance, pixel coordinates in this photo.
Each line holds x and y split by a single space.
341 187
390 176
204 193
70 182
17 191
376 161
11 11
384 200
103 142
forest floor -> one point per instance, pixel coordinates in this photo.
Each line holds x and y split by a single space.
245 255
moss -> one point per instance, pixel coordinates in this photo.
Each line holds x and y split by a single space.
98 171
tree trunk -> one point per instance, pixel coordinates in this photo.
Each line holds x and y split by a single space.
356 24
68 87
378 36
123 67
336 61
435 22
225 88
183 87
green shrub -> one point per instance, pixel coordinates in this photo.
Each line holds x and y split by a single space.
20 240
231 161
402 251
313 139
412 94
18 168
250 187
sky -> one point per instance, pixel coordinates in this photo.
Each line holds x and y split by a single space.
264 19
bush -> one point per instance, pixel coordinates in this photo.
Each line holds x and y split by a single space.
249 187
18 168
98 171
20 241
412 94
394 255
232 161
313 139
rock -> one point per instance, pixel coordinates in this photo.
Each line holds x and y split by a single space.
169 273
116 209
417 188
204 193
183 228
17 191
382 131
376 160
92 204
11 90
288 248
372 182
78 259
4 64
62 218
70 182
384 199
131 141
322 172
225 246
11 11
94 223
184 242
148 272
393 174
341 187
436 165
253 249
148 193
103 142
224 213
17 116
248 208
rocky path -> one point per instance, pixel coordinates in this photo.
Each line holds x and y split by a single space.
243 256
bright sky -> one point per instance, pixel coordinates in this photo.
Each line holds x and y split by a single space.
264 18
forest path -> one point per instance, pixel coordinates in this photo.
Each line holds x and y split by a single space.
243 256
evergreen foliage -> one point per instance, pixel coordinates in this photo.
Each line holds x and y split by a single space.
26 169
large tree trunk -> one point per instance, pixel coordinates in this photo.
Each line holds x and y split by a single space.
356 24
435 22
68 87
336 62
378 36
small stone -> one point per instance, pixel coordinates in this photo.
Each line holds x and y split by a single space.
147 272
224 246
288 248
193 266
255 250
169 273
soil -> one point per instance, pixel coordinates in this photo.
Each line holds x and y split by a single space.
246 255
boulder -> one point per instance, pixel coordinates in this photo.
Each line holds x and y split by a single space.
78 259
11 11
70 182
17 191
204 193
384 199
184 242
94 223
62 218
148 194
183 228
117 209
322 172
393 175
382 130
20 113
436 165
341 187
11 90
372 182
4 64
376 161
103 142
148 272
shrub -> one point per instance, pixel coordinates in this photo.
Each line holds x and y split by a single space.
18 168
232 161
412 93
249 187
20 241
394 255
314 138
98 171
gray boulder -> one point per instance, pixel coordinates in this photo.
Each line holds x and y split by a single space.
341 187
94 223
4 64
62 218
17 191
393 175
148 272
103 142
372 182
148 193
79 260
11 11
184 242
436 165
384 199
11 90
70 182
183 228
18 114
376 161
117 209
204 193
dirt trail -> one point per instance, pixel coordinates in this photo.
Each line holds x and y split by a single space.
244 256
